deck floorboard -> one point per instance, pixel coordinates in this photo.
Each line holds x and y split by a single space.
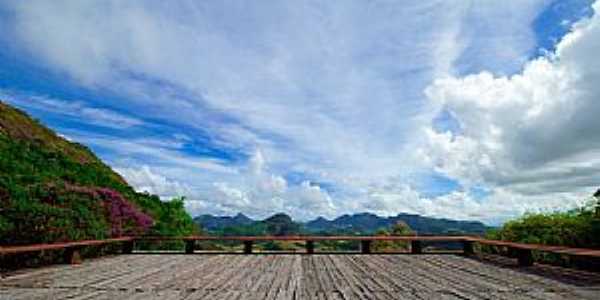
147 277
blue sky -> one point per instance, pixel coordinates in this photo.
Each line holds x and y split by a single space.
319 108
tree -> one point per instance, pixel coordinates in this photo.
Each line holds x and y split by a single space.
576 228
397 229
401 229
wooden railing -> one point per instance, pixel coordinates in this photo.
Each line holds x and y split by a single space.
524 251
72 249
365 241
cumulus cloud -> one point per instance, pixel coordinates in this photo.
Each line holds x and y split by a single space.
333 92
532 136
501 205
256 192
145 180
262 193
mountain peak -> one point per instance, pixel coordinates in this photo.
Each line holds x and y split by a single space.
279 217
240 217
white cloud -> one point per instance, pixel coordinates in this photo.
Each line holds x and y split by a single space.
339 90
531 137
252 189
145 180
309 201
503 204
334 92
262 193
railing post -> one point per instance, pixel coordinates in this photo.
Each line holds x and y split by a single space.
525 257
365 247
247 247
416 247
127 247
310 247
468 247
189 246
72 255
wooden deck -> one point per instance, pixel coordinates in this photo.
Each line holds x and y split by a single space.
280 276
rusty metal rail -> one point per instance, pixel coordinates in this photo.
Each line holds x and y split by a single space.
523 251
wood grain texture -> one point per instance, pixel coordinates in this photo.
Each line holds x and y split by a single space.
228 276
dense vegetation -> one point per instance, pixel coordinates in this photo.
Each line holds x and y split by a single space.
398 229
55 190
576 228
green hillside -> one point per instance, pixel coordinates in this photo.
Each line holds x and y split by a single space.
52 190
579 228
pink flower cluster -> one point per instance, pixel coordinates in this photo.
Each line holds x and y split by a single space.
125 218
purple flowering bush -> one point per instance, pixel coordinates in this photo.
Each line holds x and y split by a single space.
125 218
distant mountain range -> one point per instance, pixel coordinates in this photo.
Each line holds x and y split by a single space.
212 223
365 223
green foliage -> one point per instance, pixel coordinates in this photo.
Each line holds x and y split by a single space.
338 245
280 246
173 220
576 228
254 229
37 169
38 214
5 226
552 229
398 229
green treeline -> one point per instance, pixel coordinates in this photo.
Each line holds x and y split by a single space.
576 228
579 228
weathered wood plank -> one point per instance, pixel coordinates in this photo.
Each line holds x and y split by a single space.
317 276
